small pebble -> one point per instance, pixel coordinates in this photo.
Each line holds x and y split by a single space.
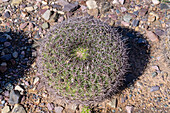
91 4
129 109
14 97
7 14
154 88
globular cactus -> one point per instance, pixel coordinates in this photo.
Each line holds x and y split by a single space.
83 59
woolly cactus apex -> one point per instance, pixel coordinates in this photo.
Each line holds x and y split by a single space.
83 59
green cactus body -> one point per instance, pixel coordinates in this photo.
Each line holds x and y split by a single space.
85 59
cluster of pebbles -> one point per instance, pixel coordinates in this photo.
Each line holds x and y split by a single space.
25 22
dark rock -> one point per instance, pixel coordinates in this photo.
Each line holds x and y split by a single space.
3 69
70 7
14 97
6 57
2 39
7 14
164 6
135 22
154 88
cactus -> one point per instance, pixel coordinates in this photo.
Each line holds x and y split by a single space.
83 59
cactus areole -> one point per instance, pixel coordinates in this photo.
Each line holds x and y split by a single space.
83 59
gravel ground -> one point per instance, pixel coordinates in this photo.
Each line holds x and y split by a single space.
144 22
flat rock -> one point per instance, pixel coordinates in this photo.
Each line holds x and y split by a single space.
7 14
70 7
143 12
127 17
91 4
18 109
6 109
3 69
155 2
30 8
113 103
62 2
15 54
135 22
46 15
152 36
93 12
129 109
23 25
6 57
154 88
58 109
14 97
16 2
115 2
122 1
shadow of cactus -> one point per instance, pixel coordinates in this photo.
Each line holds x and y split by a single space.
16 57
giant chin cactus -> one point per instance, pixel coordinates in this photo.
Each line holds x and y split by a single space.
83 59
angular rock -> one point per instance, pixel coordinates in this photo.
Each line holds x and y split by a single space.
93 12
14 97
122 1
129 109
135 22
152 36
113 103
125 23
50 106
6 57
46 15
7 14
143 12
154 88
155 2
105 7
58 109
127 17
23 25
15 54
3 39
36 80
6 109
6 44
45 25
30 8
115 2
18 109
62 2
16 2
3 69
70 7
91 4
113 16
54 17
